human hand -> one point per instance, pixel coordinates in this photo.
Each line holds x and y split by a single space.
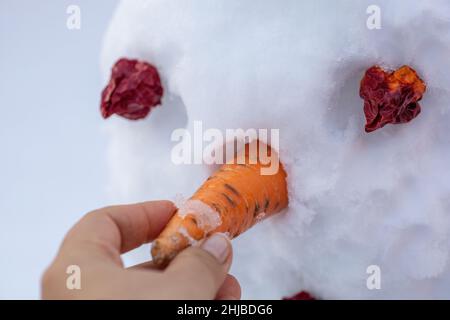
96 243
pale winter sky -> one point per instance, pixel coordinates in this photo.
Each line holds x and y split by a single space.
52 163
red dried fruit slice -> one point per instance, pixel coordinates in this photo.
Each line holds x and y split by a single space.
302 295
390 97
133 90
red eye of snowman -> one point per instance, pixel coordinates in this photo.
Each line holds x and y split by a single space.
390 97
133 90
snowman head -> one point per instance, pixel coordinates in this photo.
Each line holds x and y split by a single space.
358 201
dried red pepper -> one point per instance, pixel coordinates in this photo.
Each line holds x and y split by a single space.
390 97
302 295
133 90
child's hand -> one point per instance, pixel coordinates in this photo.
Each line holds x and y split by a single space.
96 242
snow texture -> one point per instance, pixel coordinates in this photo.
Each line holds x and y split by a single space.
356 199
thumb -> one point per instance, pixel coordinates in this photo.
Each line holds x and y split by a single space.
199 272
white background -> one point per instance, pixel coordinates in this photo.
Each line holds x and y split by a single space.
52 150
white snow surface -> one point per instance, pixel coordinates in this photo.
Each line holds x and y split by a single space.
356 199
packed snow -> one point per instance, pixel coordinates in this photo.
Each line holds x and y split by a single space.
356 199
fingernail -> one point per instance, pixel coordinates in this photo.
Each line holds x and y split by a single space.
218 246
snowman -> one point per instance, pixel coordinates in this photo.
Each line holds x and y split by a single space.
369 213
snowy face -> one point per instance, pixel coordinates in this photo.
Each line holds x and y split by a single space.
357 199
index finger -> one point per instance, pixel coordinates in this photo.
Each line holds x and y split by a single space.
117 229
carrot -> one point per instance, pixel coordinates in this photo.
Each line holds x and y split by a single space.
231 201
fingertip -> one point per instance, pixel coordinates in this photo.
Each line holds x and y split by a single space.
201 270
160 205
219 246
230 289
158 213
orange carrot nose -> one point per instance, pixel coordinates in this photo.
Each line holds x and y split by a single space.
231 201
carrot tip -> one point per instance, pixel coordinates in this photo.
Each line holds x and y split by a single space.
166 248
193 220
